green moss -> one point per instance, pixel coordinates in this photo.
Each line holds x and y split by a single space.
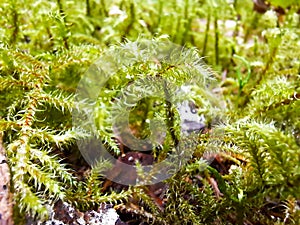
46 48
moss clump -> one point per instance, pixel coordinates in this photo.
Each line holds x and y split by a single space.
250 173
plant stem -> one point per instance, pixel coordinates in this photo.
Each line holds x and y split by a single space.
176 35
131 22
206 34
103 9
160 12
63 15
170 116
187 22
216 27
88 8
15 18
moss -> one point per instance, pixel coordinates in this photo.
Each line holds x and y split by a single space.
245 159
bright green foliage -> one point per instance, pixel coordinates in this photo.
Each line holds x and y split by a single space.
47 46
30 144
283 4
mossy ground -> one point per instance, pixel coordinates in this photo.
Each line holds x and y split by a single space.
253 50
